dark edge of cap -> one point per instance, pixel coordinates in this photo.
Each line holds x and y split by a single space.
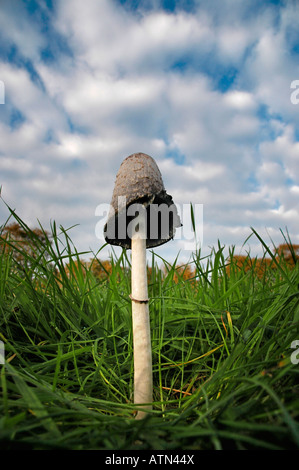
160 198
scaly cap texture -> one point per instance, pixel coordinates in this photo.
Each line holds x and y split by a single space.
139 181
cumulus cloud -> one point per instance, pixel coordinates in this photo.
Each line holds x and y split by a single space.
205 90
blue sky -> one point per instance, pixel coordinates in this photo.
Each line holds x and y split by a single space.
204 87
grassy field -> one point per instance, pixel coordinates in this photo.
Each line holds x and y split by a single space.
224 377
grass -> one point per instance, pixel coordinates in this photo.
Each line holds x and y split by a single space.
223 375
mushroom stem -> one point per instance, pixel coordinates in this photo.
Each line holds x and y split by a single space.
143 382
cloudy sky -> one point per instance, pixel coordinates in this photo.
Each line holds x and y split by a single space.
204 87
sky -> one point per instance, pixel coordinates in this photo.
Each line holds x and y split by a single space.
209 89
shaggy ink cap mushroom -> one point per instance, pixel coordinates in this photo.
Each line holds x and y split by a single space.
139 181
142 215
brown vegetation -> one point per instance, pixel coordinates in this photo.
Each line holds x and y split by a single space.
16 241
284 253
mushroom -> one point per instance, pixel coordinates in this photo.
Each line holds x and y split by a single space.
142 215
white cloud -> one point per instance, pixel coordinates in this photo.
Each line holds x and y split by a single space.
126 43
232 41
26 96
240 100
284 149
18 30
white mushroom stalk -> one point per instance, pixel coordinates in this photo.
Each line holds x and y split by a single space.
143 376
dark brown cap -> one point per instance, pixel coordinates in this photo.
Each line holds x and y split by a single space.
139 181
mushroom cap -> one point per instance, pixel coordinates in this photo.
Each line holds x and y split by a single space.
139 181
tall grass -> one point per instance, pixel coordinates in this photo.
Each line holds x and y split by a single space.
223 375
